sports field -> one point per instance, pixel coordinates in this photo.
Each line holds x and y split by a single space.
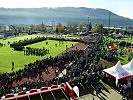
8 55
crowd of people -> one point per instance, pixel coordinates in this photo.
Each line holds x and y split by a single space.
83 70
27 41
125 87
33 70
2 44
77 72
35 51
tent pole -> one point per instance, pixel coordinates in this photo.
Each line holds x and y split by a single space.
52 94
40 95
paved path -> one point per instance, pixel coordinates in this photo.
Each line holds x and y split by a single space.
111 95
63 73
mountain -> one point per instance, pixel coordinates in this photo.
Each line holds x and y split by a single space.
62 15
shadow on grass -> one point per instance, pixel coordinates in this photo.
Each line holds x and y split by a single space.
101 97
103 87
90 89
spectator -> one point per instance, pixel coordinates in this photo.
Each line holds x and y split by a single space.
12 65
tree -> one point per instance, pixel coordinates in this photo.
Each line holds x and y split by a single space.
105 31
98 28
117 31
57 30
90 26
72 28
60 28
32 28
80 27
42 27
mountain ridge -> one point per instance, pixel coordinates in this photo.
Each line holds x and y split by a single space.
62 15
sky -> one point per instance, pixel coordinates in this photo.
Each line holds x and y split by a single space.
120 7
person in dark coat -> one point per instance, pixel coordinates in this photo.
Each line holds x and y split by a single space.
12 65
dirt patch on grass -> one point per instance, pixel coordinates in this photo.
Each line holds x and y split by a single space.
107 63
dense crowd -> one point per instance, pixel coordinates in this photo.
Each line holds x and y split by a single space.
2 44
27 41
35 51
33 70
125 87
78 73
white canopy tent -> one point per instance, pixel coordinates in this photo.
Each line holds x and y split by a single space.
129 67
118 71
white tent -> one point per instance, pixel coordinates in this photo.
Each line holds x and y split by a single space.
129 67
76 90
117 71
119 34
113 33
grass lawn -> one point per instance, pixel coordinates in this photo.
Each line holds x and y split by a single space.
7 54
123 58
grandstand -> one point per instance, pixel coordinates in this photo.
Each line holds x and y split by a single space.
56 92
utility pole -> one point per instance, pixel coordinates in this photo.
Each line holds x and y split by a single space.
86 53
88 24
87 43
109 26
53 25
109 21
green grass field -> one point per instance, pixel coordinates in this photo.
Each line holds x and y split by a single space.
123 58
7 54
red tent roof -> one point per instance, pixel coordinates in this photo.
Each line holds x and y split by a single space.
112 47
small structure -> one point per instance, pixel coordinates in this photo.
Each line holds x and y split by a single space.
117 71
112 47
120 71
1 36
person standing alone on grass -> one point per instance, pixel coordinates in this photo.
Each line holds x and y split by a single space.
12 65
